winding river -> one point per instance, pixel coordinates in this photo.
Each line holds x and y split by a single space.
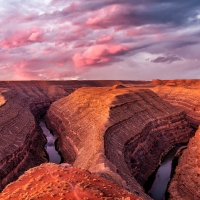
163 175
50 145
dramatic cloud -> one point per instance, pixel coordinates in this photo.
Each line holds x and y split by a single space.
107 39
98 54
22 38
167 59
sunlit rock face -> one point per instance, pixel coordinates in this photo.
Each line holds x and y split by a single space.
185 184
52 181
117 132
21 139
185 96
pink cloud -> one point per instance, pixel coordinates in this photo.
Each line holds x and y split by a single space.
98 54
104 39
107 17
28 69
71 7
79 44
36 69
50 50
21 38
60 61
143 30
35 36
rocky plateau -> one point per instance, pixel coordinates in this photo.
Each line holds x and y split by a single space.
118 131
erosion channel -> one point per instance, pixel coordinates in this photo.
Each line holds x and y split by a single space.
50 145
163 174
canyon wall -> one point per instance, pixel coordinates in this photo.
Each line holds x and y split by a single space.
186 97
21 105
185 184
21 140
117 132
178 82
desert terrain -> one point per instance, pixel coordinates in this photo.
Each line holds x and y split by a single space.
111 136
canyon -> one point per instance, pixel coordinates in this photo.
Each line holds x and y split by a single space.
21 139
118 131
184 94
186 181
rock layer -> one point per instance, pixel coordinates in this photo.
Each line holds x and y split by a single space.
185 184
51 181
186 95
187 98
178 82
21 105
21 140
117 132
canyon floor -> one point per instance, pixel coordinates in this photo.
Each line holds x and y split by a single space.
111 136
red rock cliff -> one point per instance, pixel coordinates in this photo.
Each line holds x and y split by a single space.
117 132
21 104
185 97
185 184
21 140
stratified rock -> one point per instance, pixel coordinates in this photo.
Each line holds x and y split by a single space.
118 86
117 133
187 98
178 82
21 105
185 184
21 139
52 181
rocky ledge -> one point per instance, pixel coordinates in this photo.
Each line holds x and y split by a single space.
52 181
185 184
186 97
119 133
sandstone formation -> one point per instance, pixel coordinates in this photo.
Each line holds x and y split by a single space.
21 140
185 184
178 82
119 133
186 97
21 105
52 181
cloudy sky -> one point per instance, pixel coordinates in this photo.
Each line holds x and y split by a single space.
99 39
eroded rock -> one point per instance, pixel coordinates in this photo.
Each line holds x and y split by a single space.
52 181
185 184
187 98
21 105
117 133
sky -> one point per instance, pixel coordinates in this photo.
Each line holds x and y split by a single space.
99 39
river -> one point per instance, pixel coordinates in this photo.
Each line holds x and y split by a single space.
50 145
163 175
